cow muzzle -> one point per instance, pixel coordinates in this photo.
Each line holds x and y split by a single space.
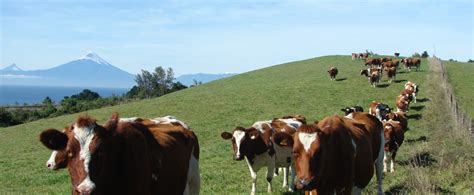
238 157
305 184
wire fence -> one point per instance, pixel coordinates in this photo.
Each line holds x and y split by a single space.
462 119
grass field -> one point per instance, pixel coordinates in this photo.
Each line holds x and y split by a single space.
461 77
301 87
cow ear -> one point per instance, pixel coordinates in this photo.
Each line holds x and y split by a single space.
53 139
111 124
226 135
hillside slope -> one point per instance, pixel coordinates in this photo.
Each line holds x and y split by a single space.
461 77
301 87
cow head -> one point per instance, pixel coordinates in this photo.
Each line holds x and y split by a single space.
247 142
73 147
306 148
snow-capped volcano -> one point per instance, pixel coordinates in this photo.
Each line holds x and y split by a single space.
12 67
94 57
88 71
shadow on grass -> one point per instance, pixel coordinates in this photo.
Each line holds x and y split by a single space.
423 100
398 189
420 139
293 193
341 79
417 108
415 116
423 159
383 85
401 80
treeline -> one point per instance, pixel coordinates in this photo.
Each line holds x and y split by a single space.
148 85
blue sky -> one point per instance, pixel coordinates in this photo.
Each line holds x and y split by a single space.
227 36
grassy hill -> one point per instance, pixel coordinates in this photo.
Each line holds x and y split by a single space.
461 77
301 87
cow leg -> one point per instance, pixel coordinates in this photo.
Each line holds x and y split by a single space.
392 159
293 175
285 177
270 170
379 164
253 174
385 161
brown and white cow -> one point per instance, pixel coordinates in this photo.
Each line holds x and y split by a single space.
391 73
411 62
256 146
135 156
379 110
413 88
394 136
402 102
337 155
375 78
355 56
332 73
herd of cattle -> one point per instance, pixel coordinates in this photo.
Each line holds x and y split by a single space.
377 66
337 154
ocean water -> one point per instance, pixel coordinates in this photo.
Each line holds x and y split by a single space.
11 95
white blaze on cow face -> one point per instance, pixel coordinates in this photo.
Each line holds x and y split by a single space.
85 135
239 137
307 139
51 163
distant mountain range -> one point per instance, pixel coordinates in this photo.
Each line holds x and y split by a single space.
87 71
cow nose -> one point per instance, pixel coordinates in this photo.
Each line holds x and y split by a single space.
237 157
50 165
85 190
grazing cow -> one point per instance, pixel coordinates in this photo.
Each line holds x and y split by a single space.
336 155
379 110
332 73
140 156
402 102
391 73
373 61
413 88
411 62
396 54
394 136
348 110
255 144
400 117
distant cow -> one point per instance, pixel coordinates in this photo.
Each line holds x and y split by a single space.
332 73
337 155
391 73
413 88
137 156
396 54
385 59
364 55
355 55
366 73
394 136
411 62
375 78
348 110
402 102
379 110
